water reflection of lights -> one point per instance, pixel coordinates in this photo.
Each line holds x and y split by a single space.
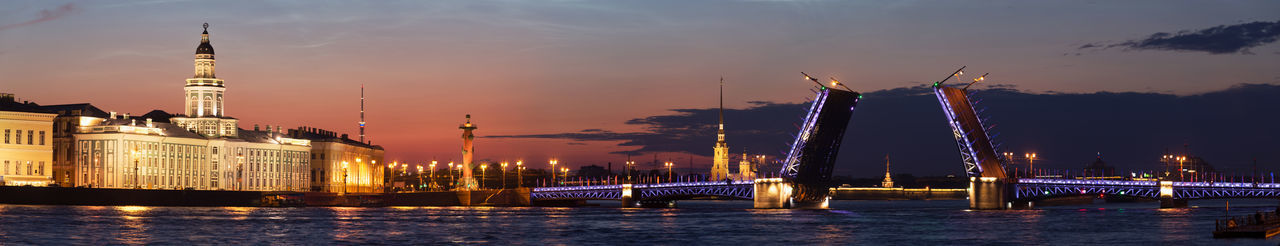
241 213
132 209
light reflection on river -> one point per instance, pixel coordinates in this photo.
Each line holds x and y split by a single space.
695 222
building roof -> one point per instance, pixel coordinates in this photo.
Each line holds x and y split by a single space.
85 109
321 135
9 104
158 116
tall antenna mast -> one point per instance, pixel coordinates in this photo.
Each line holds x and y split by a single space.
362 113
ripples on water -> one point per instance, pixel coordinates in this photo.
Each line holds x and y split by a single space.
696 222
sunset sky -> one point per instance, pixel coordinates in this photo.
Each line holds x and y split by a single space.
548 67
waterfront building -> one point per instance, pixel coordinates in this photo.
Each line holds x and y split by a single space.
65 126
340 164
720 162
202 149
26 153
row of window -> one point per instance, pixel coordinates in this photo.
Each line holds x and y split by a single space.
23 168
15 137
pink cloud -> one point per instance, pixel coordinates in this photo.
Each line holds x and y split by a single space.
45 15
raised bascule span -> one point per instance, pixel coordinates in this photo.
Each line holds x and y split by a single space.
992 188
804 178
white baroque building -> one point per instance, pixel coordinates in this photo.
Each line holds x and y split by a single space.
202 149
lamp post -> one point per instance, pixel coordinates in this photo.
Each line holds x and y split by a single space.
419 178
452 180
553 171
1181 170
628 166
669 165
433 176
239 171
134 154
344 178
566 175
482 176
504 175
1031 163
519 174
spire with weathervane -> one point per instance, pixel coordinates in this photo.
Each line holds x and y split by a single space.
888 180
720 164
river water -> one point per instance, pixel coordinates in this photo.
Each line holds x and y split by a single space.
695 222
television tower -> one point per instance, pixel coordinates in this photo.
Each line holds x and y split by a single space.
362 113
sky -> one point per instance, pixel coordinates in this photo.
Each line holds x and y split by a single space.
531 71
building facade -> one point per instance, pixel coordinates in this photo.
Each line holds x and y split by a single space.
27 150
202 149
342 165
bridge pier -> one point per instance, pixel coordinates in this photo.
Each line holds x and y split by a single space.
1166 196
988 193
772 193
628 201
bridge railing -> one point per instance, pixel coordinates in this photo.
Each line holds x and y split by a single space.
643 186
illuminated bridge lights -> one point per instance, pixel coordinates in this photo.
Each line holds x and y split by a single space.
737 189
1033 189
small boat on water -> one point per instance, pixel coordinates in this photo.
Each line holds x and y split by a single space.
1258 225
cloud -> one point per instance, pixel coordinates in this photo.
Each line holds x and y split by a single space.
1227 128
45 15
1223 39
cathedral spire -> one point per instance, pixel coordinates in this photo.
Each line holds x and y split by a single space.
720 134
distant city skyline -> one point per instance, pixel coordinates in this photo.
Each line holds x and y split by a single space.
524 68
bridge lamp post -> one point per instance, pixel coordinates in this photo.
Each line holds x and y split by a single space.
566 174
553 171
628 166
1031 166
1181 171
433 176
669 165
504 175
1165 159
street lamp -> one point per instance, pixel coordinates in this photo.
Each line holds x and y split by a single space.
344 177
669 165
566 175
504 175
452 179
1031 166
135 155
629 165
519 174
419 178
553 171
1181 170
433 176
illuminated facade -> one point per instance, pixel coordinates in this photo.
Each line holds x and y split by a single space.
203 98
342 165
746 171
720 162
25 153
202 150
888 180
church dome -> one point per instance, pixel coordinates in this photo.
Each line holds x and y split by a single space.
205 48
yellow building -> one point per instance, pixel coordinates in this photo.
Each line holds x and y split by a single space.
25 154
342 165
